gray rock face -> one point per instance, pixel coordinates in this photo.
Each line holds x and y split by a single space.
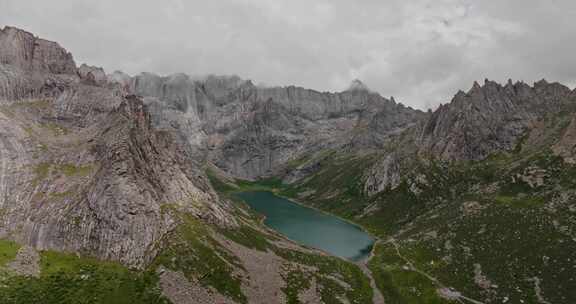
21 49
31 67
81 167
99 189
250 131
386 174
488 118
566 146
92 75
220 86
14 84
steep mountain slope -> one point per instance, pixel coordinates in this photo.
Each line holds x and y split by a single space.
97 205
94 188
490 118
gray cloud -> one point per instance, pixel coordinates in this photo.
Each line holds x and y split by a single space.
420 51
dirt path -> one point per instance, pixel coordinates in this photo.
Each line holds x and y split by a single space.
377 297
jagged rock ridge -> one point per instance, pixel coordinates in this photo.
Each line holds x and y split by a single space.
489 118
251 131
475 124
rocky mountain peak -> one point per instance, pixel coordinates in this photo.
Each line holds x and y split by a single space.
490 118
92 74
357 85
477 88
541 82
23 50
476 85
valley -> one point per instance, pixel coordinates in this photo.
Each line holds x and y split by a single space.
184 190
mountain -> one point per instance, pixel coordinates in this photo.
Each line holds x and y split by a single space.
96 184
491 118
443 190
122 188
252 132
475 203
357 85
104 201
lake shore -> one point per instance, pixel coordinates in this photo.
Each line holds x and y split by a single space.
362 260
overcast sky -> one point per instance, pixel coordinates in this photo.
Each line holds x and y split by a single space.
419 51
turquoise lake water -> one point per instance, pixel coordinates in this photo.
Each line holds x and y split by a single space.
310 227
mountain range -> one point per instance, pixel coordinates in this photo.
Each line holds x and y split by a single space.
120 189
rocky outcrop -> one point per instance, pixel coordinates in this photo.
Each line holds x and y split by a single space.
386 174
23 50
92 75
31 67
82 105
566 146
14 84
140 172
488 118
99 189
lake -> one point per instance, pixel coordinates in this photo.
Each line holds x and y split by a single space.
310 227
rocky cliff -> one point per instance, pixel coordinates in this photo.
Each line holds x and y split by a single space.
251 131
490 118
82 168
32 67
23 50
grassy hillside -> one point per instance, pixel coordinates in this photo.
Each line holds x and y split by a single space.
66 278
497 230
